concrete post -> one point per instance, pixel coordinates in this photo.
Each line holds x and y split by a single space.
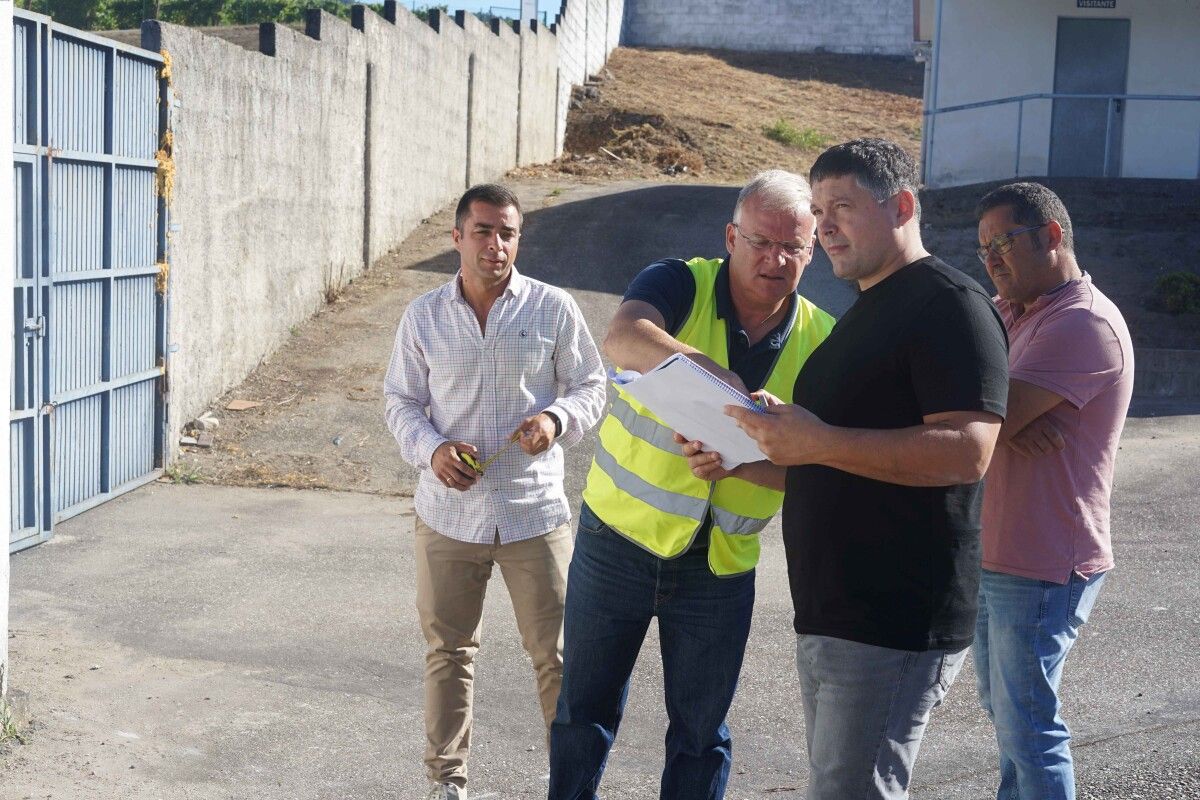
6 247
529 10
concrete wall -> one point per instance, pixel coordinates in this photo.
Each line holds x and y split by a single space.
495 89
268 204
570 26
975 62
6 322
880 27
1167 374
418 133
596 30
537 136
297 166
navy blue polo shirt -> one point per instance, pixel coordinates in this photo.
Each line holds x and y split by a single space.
670 287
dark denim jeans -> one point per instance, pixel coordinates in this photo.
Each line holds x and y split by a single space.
614 588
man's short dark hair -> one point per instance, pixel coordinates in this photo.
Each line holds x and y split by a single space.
1031 204
494 194
880 166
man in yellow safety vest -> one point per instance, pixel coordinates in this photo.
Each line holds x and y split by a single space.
655 540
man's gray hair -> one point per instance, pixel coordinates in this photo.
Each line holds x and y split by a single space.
776 190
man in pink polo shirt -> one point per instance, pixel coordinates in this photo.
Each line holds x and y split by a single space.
1046 546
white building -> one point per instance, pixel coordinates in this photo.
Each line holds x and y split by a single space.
1010 63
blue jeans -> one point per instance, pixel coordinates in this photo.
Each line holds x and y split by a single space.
865 711
614 588
1026 628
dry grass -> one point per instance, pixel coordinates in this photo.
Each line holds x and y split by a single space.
710 111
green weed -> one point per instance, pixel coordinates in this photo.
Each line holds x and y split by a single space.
1178 293
802 138
180 472
8 725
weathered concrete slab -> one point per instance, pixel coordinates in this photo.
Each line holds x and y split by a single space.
204 642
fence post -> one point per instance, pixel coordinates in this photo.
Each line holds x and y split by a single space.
1108 135
1020 123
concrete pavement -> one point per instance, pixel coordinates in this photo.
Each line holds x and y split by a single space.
209 642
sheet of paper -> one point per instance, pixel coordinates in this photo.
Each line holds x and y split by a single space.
691 400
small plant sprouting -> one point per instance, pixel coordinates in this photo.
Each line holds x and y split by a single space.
179 472
801 138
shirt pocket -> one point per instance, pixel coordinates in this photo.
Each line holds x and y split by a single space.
534 350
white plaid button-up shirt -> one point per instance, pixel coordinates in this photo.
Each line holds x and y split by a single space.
447 381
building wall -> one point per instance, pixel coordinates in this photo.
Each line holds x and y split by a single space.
987 51
294 171
880 27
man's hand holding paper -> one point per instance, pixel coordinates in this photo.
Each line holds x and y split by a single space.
786 434
689 398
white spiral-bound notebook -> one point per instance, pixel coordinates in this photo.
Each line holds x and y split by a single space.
691 400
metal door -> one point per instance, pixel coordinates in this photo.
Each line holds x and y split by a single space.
1092 57
88 407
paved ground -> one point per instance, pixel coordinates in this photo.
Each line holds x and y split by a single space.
217 642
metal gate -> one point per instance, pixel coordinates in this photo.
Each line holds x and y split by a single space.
88 380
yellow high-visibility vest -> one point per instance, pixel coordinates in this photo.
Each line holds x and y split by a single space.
640 484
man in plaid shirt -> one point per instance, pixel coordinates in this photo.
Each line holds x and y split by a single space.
489 358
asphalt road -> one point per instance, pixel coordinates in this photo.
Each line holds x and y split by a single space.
212 642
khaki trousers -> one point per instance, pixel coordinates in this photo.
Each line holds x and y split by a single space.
452 578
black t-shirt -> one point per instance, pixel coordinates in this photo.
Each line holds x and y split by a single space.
875 562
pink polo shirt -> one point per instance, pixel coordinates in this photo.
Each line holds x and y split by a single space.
1048 516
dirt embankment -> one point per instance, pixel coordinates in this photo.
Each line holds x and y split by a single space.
719 116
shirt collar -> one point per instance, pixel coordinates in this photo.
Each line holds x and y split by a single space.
517 284
726 311
1008 312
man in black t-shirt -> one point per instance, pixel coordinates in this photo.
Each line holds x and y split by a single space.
893 426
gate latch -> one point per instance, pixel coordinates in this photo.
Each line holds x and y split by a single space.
35 326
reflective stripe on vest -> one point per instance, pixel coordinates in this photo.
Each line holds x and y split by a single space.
673 503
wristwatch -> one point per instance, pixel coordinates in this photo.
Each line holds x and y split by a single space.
557 423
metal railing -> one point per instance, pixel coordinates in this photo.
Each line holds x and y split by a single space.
1113 107
510 12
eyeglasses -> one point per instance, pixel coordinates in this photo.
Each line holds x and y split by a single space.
790 249
1001 244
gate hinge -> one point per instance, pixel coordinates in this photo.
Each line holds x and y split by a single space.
164 381
160 281
35 325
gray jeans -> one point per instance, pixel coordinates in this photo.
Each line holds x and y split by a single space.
865 711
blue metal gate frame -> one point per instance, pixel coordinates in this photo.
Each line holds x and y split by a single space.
88 387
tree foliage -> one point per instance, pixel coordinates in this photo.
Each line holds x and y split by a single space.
119 14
